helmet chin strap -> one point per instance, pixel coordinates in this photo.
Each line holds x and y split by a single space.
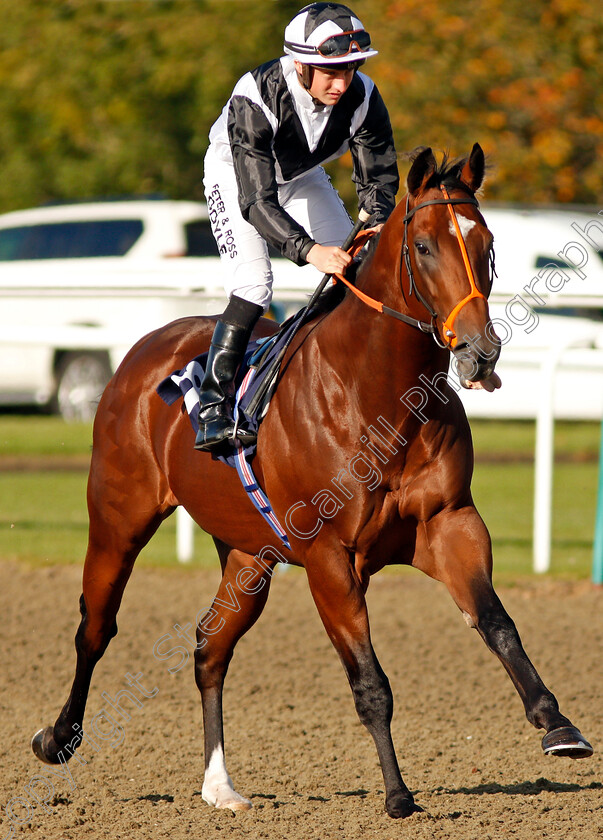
306 75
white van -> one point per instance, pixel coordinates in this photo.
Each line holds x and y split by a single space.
547 308
81 283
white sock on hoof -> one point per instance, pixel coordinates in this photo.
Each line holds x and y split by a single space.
217 785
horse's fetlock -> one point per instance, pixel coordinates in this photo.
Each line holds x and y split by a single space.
545 714
401 804
62 735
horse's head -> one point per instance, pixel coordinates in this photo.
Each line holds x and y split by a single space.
447 258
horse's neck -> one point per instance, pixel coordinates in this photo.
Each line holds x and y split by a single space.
404 350
379 362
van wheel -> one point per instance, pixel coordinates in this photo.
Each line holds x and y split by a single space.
81 379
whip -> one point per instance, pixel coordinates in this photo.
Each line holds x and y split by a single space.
274 368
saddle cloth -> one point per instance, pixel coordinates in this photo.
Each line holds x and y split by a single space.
186 384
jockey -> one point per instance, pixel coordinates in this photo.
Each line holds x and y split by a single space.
264 181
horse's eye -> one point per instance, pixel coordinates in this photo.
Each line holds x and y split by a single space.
421 248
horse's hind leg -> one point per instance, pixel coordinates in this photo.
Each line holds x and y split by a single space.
238 604
123 517
461 544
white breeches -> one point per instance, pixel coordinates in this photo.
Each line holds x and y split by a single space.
310 199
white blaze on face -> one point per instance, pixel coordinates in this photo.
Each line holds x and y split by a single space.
465 225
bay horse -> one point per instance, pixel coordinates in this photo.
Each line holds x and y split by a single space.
365 454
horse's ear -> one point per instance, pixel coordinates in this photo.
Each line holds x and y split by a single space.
473 171
423 166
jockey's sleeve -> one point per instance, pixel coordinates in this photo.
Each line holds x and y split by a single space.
375 164
251 137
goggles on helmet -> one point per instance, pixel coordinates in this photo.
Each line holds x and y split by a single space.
338 46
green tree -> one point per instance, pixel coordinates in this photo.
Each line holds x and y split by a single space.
112 97
523 79
117 97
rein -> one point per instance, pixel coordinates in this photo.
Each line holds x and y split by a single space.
425 327
359 242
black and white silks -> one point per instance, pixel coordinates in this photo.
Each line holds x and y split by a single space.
273 132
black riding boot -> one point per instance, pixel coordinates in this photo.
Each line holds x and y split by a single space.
226 351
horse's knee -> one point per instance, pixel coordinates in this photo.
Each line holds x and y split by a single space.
498 631
211 664
373 698
498 635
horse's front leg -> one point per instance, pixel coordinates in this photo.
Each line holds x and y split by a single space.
456 549
238 604
339 597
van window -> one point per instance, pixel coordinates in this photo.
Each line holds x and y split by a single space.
69 240
547 262
200 241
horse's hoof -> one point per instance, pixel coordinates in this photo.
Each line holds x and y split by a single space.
45 747
225 797
400 806
566 741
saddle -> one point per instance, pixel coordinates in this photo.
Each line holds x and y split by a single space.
258 362
253 392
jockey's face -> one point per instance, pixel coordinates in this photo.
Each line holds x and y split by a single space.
328 85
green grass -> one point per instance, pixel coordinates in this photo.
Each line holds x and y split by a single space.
37 435
44 521
517 438
43 516
504 494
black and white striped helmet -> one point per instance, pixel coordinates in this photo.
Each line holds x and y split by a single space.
327 33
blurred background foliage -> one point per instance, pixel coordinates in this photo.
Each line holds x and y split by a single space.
114 97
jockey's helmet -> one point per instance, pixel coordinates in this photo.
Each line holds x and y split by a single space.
326 34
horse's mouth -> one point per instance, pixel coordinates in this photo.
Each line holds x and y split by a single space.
475 363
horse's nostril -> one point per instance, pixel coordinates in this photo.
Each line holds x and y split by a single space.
478 350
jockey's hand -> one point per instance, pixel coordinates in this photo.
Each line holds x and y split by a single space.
328 258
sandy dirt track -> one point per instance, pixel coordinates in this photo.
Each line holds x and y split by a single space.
293 742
